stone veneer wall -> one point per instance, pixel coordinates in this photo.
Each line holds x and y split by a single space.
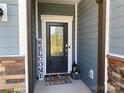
12 73
116 75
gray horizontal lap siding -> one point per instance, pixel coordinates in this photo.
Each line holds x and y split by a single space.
9 31
87 49
9 2
116 27
57 9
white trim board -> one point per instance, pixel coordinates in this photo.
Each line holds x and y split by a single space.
36 9
23 41
12 56
57 18
107 43
76 14
116 55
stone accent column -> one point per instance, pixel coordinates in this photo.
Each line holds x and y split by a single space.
115 74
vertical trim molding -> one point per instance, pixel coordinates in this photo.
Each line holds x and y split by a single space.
23 47
76 11
107 43
36 8
101 45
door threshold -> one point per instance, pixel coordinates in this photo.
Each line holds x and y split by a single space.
57 73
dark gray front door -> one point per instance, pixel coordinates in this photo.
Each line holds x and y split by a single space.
57 47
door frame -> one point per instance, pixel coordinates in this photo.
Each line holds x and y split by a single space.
61 19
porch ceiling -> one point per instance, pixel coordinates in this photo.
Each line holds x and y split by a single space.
60 1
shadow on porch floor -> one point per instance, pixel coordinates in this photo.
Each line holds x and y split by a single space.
76 87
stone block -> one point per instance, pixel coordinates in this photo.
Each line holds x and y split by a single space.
116 75
1 65
122 80
8 61
115 68
111 89
2 81
2 71
122 72
15 69
10 81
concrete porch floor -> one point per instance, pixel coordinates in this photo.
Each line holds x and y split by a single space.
76 87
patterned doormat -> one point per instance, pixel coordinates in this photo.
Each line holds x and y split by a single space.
57 79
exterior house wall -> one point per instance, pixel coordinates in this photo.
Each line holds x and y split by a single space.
9 30
12 64
116 27
87 42
57 9
116 47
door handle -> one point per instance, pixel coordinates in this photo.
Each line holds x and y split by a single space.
67 46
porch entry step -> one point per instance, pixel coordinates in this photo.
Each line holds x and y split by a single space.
58 79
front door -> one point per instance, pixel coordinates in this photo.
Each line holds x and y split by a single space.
57 47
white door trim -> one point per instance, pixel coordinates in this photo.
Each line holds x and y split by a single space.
57 18
76 14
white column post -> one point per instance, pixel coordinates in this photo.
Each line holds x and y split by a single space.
23 47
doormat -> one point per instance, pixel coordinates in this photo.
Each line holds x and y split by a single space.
58 79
